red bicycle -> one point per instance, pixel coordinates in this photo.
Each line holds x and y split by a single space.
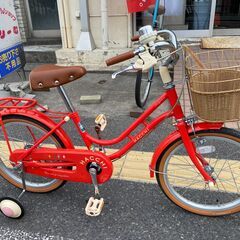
196 166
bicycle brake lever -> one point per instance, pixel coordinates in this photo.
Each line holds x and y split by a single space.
131 67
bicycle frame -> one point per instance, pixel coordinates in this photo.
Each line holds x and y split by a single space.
80 159
155 14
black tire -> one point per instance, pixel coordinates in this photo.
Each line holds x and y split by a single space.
184 186
143 86
33 183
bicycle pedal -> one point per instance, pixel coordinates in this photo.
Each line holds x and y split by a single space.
94 206
105 202
101 121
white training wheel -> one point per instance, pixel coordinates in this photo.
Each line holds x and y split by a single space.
11 208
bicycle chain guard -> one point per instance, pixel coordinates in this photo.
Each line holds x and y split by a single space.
94 206
65 164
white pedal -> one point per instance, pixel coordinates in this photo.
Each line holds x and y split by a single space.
101 120
94 206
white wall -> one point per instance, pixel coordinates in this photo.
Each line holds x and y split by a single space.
117 22
74 6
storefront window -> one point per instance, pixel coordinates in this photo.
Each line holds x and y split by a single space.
227 14
181 15
44 14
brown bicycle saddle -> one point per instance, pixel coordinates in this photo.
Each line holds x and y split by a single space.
50 75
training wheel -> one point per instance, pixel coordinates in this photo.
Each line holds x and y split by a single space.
11 208
94 206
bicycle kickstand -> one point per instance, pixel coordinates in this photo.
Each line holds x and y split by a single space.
95 204
23 183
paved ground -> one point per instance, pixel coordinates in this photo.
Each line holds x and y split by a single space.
134 211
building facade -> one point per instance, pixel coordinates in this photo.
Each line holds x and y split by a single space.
93 30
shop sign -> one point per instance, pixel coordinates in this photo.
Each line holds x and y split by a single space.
11 48
139 5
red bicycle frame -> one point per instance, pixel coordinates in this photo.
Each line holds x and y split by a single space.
73 164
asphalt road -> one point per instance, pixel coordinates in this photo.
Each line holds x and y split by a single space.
133 210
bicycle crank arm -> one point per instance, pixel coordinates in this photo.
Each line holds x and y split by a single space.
93 173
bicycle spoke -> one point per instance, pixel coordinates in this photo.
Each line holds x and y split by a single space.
192 166
187 185
22 134
233 178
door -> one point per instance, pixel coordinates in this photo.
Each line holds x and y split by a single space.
197 17
43 18
227 17
187 18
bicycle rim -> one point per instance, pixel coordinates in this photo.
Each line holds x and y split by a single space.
22 133
184 185
143 86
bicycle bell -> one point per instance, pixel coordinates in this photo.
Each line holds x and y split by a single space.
147 35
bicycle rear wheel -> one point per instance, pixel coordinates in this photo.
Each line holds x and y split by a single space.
143 86
22 133
184 185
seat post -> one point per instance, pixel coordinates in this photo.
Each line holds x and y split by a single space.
66 99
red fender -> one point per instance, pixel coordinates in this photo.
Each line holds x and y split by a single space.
40 117
176 135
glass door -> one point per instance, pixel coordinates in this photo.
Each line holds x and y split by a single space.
227 17
43 18
190 18
187 18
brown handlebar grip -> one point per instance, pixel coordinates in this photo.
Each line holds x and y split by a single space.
135 38
120 58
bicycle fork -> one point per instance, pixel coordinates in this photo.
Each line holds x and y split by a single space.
195 157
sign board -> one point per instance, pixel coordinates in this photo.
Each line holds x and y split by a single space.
11 49
139 5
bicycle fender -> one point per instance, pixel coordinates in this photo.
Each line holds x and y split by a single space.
42 118
174 136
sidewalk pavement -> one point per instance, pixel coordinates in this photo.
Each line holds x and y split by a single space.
134 166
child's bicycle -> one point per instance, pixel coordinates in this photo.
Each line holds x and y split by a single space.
144 78
196 166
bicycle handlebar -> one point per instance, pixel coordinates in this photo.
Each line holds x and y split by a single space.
120 58
172 36
172 45
135 38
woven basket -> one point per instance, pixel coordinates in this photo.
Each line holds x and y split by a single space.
214 84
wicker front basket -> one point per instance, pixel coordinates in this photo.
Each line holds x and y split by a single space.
215 86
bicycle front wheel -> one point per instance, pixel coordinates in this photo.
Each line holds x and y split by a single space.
143 86
184 185
22 134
